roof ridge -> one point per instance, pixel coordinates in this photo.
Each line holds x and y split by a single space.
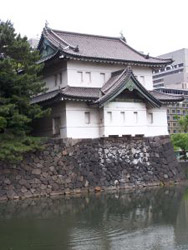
68 44
118 78
86 34
142 54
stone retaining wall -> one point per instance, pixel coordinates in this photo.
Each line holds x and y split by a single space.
66 166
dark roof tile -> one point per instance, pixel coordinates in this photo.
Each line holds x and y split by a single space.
163 97
98 47
86 94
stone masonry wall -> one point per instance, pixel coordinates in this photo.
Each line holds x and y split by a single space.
66 166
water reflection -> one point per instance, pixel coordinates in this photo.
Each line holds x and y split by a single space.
145 219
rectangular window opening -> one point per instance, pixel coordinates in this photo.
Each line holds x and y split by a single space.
142 80
88 77
55 80
150 118
80 75
122 116
102 78
60 78
135 117
109 117
87 118
56 125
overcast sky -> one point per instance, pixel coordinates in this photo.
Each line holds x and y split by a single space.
151 26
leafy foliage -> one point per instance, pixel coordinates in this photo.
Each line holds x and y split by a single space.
19 81
183 122
180 142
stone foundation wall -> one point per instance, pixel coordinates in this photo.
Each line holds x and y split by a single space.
66 166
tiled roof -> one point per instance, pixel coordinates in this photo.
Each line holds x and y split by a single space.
71 93
78 92
45 97
121 81
163 97
93 47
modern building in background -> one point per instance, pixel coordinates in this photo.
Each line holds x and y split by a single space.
174 76
173 79
174 109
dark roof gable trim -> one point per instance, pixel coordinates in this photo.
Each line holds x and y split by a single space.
128 81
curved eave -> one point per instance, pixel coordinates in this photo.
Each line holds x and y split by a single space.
171 100
114 61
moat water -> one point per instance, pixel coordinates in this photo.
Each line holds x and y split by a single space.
153 219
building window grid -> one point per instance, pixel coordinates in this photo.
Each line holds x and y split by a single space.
180 109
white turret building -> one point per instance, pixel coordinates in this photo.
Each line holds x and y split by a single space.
99 86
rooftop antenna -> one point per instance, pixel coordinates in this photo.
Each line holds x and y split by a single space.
122 36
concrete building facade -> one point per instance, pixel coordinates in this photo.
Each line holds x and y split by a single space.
174 76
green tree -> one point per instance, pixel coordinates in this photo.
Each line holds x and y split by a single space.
180 142
183 123
19 81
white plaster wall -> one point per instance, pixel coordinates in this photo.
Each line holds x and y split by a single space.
71 77
122 121
75 120
159 125
49 78
128 126
144 74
